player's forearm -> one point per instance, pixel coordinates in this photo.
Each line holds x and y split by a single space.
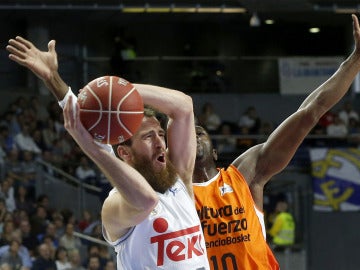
331 91
57 86
129 182
171 102
181 135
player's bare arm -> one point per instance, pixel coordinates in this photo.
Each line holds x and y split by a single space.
181 137
264 161
134 199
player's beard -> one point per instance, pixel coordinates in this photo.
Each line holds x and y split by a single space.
159 181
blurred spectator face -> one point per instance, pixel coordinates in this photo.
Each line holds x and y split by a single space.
25 227
94 263
69 229
28 156
44 251
14 246
110 265
74 257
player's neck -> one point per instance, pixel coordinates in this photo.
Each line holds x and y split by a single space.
203 174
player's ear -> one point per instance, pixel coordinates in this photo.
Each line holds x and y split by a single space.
123 152
215 154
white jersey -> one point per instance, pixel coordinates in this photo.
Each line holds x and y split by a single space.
169 238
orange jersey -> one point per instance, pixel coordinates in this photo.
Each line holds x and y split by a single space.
233 233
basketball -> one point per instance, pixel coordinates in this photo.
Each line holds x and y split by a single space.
111 109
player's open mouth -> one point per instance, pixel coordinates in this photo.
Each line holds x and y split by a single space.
161 158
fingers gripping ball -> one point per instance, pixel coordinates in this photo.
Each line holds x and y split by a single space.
111 109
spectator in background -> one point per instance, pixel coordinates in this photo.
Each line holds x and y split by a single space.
68 240
94 250
28 116
326 119
58 154
348 112
110 265
49 159
104 254
61 259
250 120
8 216
244 141
10 259
49 133
19 105
7 231
18 216
7 193
13 165
23 252
58 220
49 232
338 130
93 263
39 139
39 220
282 231
39 109
75 260
3 212
29 169
96 222
85 221
68 215
11 121
44 201
7 140
43 260
209 118
227 143
2 162
49 241
25 142
85 172
28 239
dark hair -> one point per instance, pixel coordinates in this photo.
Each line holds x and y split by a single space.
58 250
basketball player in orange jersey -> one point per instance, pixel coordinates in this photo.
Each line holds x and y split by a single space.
149 216
229 200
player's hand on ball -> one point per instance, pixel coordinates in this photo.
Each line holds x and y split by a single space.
73 124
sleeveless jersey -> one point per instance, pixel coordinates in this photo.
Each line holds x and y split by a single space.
234 234
169 238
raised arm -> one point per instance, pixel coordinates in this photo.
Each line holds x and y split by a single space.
134 198
44 64
181 137
263 161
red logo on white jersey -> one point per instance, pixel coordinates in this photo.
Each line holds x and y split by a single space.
178 245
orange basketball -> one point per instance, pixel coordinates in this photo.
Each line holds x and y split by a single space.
111 109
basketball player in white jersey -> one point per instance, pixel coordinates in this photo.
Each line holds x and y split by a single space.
149 216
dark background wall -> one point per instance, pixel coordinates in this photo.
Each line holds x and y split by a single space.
247 55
